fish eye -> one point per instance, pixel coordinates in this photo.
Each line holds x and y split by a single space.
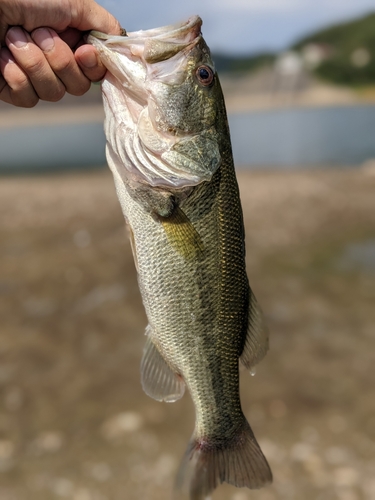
205 75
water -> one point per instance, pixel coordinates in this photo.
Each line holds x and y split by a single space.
303 137
281 138
35 148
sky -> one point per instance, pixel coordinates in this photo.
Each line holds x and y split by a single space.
241 26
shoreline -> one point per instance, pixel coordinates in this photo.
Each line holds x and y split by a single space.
94 113
242 95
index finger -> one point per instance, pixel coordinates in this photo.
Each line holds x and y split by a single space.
83 15
94 16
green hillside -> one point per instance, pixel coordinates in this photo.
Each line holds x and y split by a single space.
230 64
343 54
349 51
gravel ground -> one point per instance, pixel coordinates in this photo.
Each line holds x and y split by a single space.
74 422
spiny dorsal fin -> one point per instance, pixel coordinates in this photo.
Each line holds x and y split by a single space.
182 235
256 343
158 379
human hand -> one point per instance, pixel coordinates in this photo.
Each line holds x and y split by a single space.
44 63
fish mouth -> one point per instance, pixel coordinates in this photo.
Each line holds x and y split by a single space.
169 40
134 58
170 31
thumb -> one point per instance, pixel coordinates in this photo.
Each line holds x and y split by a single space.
89 61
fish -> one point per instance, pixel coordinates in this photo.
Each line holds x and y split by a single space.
169 149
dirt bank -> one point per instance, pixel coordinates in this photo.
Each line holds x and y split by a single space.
74 422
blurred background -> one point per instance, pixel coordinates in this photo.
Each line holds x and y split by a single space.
299 82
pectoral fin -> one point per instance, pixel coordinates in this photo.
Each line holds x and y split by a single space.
158 379
256 343
182 235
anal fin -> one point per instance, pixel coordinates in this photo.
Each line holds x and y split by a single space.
256 343
158 380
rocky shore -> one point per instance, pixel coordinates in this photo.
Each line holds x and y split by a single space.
74 422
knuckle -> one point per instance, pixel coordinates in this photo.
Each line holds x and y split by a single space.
63 64
20 83
80 89
56 95
34 66
95 76
28 101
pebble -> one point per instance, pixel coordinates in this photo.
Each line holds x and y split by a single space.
63 487
13 399
300 451
337 424
240 495
347 494
368 167
313 464
310 434
265 495
272 450
99 296
39 307
256 413
73 275
82 238
101 472
345 477
82 494
7 450
369 488
123 423
277 408
164 468
85 494
336 455
7 372
47 442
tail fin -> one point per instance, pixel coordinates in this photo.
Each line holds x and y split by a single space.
239 462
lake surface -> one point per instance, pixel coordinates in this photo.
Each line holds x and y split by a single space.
312 136
279 138
48 147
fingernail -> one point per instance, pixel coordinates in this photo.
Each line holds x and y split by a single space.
89 60
44 39
16 36
6 55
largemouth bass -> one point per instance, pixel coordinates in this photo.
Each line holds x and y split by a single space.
168 146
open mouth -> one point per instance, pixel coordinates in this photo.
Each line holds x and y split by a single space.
133 59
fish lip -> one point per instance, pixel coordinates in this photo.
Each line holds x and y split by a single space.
193 25
98 35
